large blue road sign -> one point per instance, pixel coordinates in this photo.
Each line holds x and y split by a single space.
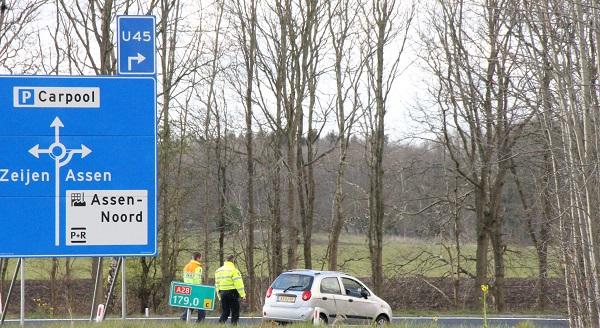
78 166
136 45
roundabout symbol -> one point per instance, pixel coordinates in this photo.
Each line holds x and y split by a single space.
61 156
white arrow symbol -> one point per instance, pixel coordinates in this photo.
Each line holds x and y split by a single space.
84 151
56 124
36 151
139 58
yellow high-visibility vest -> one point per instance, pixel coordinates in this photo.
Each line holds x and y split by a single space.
192 273
228 277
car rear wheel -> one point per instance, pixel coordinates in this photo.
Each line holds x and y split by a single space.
322 319
382 320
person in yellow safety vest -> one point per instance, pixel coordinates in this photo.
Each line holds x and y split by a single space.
230 288
192 274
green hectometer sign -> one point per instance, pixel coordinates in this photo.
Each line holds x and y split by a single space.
192 296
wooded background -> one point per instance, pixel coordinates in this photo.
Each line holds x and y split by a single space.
273 128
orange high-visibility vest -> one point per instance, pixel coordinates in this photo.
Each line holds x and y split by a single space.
192 273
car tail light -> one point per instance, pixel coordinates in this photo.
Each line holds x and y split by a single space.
269 292
306 295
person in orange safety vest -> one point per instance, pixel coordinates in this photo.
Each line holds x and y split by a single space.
192 274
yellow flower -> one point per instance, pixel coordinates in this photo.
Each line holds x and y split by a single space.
484 288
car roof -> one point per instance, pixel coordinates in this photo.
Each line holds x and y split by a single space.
321 273
314 273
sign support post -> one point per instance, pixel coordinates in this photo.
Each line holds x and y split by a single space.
22 320
96 284
10 288
123 289
113 283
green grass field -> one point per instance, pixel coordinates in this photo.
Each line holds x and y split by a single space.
170 324
401 257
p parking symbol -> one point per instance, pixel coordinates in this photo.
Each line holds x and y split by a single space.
26 97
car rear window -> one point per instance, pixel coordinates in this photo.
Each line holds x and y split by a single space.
330 286
293 281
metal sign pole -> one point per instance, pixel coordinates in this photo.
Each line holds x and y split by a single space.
10 288
22 320
1 290
123 290
115 275
96 285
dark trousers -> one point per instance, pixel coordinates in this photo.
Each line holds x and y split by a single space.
201 314
230 304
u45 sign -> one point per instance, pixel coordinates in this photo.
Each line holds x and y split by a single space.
136 45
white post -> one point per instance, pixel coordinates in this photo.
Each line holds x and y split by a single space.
22 321
188 314
123 290
100 313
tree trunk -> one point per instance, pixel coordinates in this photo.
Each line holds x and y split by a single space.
276 243
250 62
53 285
222 185
339 13
499 266
544 240
292 238
337 215
483 239
3 271
144 289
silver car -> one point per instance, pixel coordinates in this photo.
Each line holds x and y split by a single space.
323 297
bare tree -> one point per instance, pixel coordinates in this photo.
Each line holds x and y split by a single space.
343 38
246 16
564 32
481 120
177 60
272 63
17 33
382 25
312 40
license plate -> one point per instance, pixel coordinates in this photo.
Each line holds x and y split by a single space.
286 299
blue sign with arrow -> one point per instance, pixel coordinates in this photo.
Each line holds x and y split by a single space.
78 166
136 45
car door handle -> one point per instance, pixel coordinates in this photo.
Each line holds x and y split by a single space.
350 300
324 298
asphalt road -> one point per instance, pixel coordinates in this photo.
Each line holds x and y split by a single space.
449 321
